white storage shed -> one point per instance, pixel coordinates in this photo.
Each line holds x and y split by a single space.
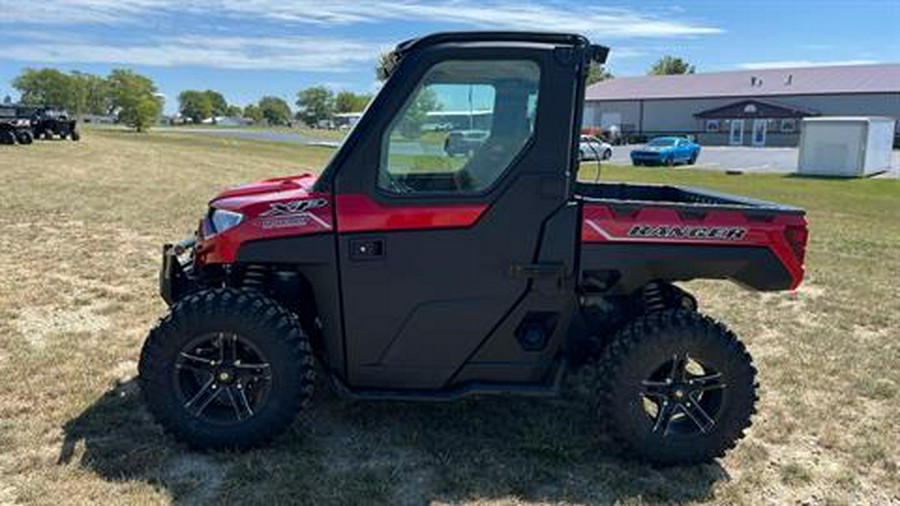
845 146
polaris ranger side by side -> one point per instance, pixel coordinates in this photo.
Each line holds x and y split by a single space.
49 123
414 275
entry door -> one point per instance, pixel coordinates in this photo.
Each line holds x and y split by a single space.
759 132
429 252
736 136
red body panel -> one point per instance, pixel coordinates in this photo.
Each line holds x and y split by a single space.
272 208
287 206
784 234
359 213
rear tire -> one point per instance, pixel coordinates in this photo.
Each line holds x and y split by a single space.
7 137
226 369
607 154
24 137
693 159
676 387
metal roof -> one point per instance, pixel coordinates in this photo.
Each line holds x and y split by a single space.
883 78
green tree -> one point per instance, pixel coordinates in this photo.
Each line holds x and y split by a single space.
670 65
217 102
195 105
315 104
347 101
233 111
253 113
597 73
76 92
133 98
417 113
46 87
92 92
274 110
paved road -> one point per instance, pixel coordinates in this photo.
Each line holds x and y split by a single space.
726 157
782 160
254 134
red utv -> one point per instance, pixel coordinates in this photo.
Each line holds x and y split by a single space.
413 275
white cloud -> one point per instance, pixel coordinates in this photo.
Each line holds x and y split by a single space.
784 64
141 25
77 11
290 53
606 23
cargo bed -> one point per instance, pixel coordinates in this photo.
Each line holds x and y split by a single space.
632 234
667 195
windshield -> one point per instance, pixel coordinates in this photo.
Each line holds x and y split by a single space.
662 142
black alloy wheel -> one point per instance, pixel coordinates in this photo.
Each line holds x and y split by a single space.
683 397
222 378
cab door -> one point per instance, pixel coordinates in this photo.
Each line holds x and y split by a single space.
439 247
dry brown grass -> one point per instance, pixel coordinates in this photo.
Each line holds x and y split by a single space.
82 224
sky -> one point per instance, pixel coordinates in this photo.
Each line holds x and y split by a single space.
250 48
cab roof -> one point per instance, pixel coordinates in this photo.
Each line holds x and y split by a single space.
598 53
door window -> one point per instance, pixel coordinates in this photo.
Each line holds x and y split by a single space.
462 127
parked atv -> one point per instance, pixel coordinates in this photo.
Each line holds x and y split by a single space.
49 123
14 129
413 275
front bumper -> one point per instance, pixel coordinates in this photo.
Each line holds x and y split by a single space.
176 275
647 157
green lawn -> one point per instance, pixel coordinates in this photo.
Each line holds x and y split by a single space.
82 225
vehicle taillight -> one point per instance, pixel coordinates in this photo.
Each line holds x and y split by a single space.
797 236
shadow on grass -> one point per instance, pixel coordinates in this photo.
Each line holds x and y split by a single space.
387 453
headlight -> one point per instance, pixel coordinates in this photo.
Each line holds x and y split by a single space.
222 220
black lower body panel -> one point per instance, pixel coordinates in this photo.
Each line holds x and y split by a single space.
622 268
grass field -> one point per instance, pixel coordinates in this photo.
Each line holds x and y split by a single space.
82 224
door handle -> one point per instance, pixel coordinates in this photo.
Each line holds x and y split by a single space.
366 249
536 270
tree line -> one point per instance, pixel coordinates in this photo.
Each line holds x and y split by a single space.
314 105
666 65
131 98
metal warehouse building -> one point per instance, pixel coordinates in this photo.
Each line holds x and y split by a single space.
743 108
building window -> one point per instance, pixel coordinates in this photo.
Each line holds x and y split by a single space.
712 126
789 125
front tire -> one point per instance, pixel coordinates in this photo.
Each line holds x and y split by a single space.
676 388
226 369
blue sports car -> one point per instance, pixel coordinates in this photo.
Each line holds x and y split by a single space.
666 151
